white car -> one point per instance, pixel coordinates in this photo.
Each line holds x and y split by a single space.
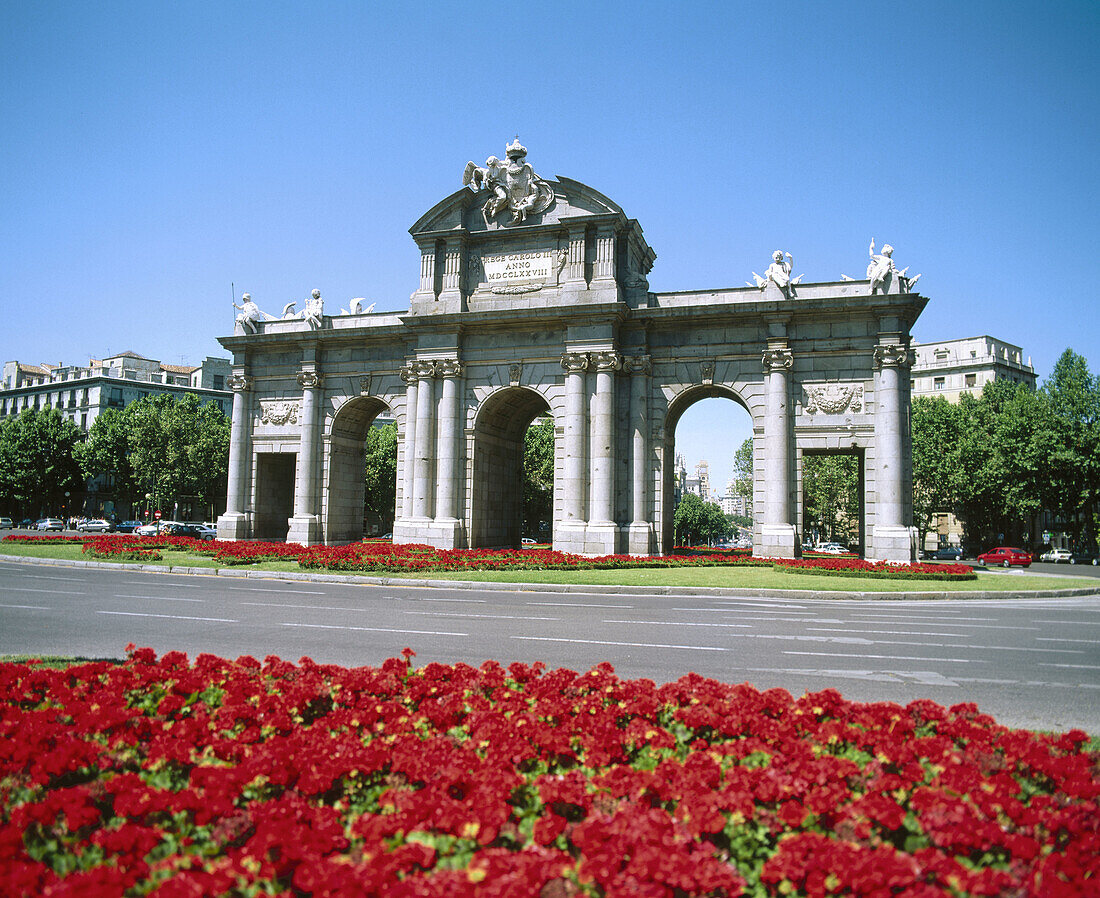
96 525
832 549
51 524
1057 556
152 529
6 524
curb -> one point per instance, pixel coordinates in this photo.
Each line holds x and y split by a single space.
731 592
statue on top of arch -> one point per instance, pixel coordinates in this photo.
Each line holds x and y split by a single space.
512 185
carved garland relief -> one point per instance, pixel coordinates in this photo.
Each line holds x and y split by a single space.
833 399
279 411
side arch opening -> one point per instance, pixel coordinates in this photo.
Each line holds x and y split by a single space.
363 425
497 508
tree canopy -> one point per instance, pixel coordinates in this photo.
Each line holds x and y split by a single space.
37 466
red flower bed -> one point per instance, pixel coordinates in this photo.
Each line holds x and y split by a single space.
385 557
221 777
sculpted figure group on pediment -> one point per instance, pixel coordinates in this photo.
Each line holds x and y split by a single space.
513 185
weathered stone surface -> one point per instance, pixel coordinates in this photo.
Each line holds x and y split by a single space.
549 312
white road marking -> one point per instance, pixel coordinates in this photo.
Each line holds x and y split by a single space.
1076 623
29 607
885 657
45 577
375 629
672 623
575 605
52 592
1074 666
220 620
472 614
302 592
891 632
158 598
922 618
310 607
640 645
1055 639
459 601
923 677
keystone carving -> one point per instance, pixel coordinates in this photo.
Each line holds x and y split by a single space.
364 384
515 371
833 399
706 371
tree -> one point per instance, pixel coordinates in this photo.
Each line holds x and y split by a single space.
36 461
696 522
105 453
743 476
538 475
830 494
178 448
936 472
380 474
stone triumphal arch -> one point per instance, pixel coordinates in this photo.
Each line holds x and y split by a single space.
533 300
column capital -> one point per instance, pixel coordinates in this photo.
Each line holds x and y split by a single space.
777 359
310 380
575 361
638 364
893 355
607 361
448 368
239 383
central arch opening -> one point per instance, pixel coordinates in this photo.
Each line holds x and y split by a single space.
361 482
500 517
708 470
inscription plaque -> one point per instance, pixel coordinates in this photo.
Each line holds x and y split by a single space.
512 267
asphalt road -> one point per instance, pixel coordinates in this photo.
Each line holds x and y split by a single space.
1028 662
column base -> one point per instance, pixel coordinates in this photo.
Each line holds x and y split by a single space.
234 525
640 539
897 544
601 538
444 533
776 541
569 537
304 529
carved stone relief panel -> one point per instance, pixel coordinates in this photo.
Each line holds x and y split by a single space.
279 411
832 399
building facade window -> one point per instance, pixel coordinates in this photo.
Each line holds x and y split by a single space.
938 383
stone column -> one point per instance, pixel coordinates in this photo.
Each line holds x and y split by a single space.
423 472
602 532
892 538
569 533
408 374
777 530
641 530
305 526
449 370
234 524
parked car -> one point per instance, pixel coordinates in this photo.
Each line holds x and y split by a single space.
948 553
195 531
6 524
95 525
1057 556
832 549
27 524
51 524
151 529
127 526
1006 556
1084 556
527 541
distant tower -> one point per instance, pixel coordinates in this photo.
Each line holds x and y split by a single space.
702 471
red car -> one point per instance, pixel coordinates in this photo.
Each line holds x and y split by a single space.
1005 556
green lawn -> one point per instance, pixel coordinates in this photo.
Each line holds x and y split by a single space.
701 577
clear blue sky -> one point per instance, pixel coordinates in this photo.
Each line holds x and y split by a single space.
155 153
